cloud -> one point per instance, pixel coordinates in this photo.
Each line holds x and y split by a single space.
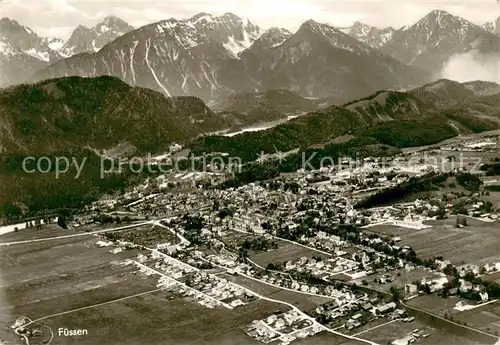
472 66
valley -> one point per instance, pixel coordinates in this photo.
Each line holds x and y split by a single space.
176 173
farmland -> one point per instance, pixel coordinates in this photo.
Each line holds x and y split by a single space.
436 304
400 278
72 283
50 277
286 251
391 331
152 319
303 302
146 235
476 243
486 317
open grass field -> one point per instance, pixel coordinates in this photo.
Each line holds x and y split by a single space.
436 304
71 283
147 235
50 277
327 338
389 332
486 318
492 277
400 277
494 198
152 319
286 251
301 301
477 243
50 230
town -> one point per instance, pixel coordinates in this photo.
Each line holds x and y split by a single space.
368 252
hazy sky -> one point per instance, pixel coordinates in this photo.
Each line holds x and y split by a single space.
60 17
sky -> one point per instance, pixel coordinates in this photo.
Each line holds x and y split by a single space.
59 17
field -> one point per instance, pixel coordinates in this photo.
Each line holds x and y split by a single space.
327 338
389 332
146 235
486 318
51 230
72 283
436 304
152 319
477 243
50 277
302 301
404 277
494 198
286 251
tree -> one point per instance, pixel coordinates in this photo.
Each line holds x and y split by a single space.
396 294
61 221
427 289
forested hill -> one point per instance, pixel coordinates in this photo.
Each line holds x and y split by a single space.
422 116
75 112
73 116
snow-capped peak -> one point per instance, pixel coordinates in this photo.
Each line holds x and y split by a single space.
200 17
319 28
7 50
333 36
234 33
23 40
54 43
442 20
84 39
493 27
274 37
361 29
370 35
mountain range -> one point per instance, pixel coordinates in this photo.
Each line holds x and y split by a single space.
78 117
90 40
436 38
370 35
213 57
98 113
178 58
421 116
493 27
23 52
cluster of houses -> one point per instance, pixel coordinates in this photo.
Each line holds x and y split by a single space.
302 207
358 312
283 327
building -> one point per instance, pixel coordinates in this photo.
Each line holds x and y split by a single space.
387 308
403 341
